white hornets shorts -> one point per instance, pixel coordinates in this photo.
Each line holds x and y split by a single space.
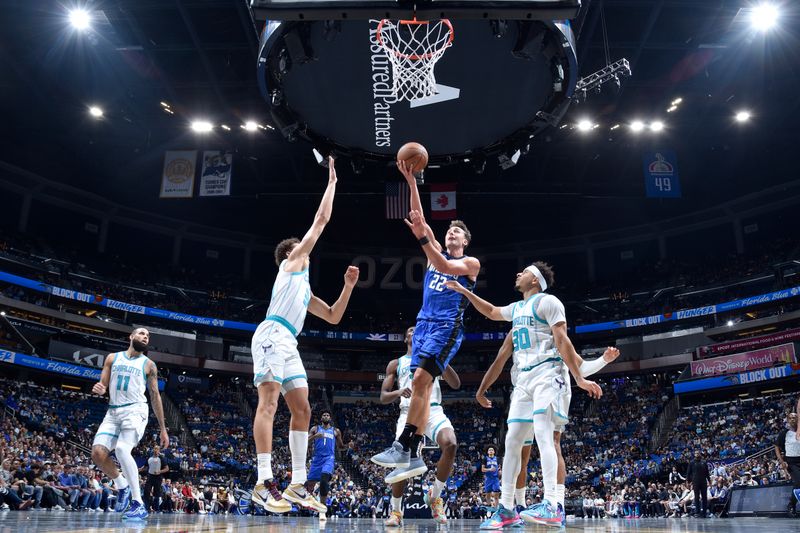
275 357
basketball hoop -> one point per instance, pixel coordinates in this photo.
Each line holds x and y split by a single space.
413 47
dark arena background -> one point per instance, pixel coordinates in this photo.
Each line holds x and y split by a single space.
153 153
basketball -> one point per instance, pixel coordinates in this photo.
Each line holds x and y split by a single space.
415 155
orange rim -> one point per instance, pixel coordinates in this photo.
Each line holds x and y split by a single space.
415 57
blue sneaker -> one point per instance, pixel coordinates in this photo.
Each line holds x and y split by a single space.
416 467
502 518
797 493
545 514
393 457
137 511
123 500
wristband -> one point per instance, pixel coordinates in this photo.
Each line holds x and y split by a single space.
424 240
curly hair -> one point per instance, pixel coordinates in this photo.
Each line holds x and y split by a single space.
284 248
547 272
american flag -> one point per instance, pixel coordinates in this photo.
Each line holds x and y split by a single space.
398 201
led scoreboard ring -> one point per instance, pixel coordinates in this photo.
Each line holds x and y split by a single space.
508 76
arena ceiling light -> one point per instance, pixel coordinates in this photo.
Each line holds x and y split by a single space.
764 17
80 19
250 125
202 126
637 126
95 111
742 116
585 125
656 126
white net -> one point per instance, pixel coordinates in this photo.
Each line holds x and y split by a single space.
413 48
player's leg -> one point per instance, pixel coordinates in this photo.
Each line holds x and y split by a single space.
295 392
396 517
266 492
444 434
522 478
105 441
505 515
544 429
561 472
128 439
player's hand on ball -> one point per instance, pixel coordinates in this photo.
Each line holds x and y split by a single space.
99 388
417 223
611 354
405 393
164 439
351 276
592 388
331 170
483 400
405 170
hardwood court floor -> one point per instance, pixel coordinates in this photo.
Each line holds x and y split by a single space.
54 521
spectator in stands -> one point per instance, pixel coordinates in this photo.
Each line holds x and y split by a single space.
719 497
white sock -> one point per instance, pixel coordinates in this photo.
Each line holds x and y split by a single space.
547 453
128 464
560 493
519 496
298 445
397 504
120 482
264 467
436 490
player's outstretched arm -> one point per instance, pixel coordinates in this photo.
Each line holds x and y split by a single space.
468 266
493 372
300 252
105 376
571 358
155 400
416 204
339 440
596 365
333 313
451 377
387 394
485 308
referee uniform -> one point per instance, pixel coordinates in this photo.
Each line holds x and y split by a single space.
152 488
789 450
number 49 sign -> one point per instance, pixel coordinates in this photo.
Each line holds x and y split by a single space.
661 175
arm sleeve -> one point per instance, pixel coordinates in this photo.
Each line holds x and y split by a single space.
508 312
552 310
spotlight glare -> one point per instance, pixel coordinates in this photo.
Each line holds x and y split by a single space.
637 126
672 108
742 116
584 125
657 126
250 126
614 127
79 19
225 127
95 111
164 104
730 323
202 126
764 17
677 101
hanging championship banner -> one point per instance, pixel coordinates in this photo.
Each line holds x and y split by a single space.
177 180
215 178
661 175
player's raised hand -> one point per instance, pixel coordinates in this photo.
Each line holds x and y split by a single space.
331 170
611 354
416 223
99 388
406 393
405 170
592 388
453 285
483 400
351 276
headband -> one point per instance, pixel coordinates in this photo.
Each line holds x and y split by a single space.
536 272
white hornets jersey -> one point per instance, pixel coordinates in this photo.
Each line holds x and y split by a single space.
289 302
531 335
128 380
404 378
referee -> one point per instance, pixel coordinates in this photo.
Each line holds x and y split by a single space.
787 448
152 488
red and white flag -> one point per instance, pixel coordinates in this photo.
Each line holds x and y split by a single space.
443 201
